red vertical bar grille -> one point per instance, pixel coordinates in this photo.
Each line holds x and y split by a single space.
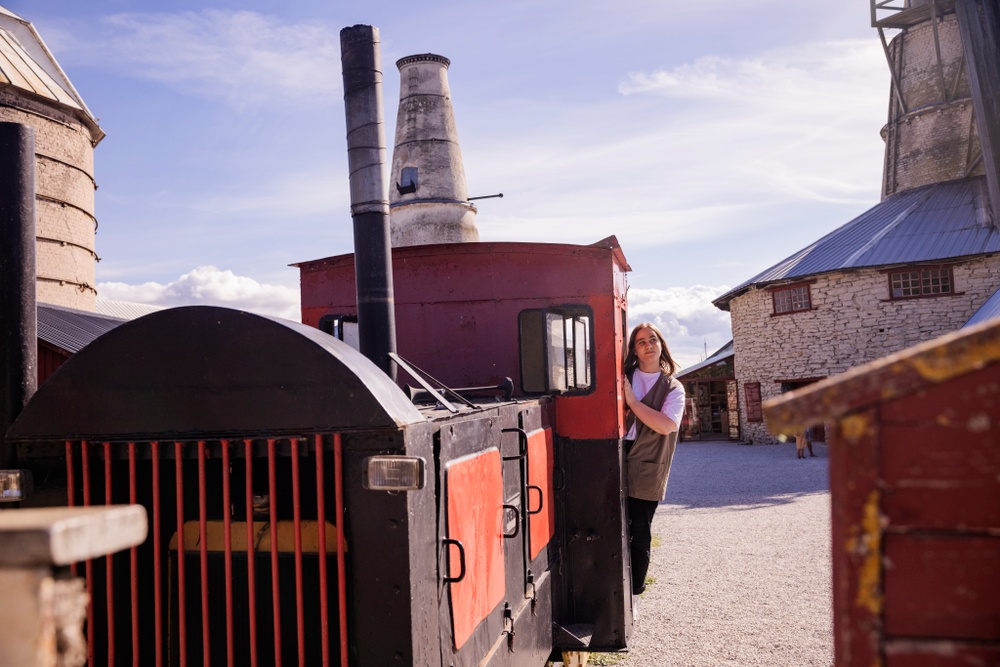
324 612
89 566
251 570
154 449
133 498
206 645
109 572
300 633
109 560
173 580
272 485
181 578
227 523
338 484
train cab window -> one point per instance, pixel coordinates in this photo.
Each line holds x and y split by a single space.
556 350
344 327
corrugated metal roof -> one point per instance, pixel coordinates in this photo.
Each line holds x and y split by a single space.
125 310
27 63
70 329
988 311
936 222
721 354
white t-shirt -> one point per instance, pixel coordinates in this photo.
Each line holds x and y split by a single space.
673 407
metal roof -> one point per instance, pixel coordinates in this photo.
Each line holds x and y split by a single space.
937 222
70 329
721 354
26 63
988 311
125 310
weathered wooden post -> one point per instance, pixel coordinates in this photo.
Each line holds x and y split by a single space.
914 442
41 618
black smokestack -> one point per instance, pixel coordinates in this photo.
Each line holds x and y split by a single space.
18 324
362 63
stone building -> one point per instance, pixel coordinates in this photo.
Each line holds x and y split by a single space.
924 260
36 92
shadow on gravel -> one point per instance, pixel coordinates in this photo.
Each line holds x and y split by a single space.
725 474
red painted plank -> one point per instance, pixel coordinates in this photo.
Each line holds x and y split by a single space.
940 653
969 402
938 477
942 586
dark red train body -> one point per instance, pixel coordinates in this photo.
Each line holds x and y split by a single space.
250 441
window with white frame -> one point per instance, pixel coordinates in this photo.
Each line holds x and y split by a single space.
791 298
924 281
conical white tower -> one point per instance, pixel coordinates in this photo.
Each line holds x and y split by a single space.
428 198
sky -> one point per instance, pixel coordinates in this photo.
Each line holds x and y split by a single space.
713 140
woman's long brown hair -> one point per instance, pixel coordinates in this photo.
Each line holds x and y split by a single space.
667 362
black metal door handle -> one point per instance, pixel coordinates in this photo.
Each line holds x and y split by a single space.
541 499
461 561
522 439
517 520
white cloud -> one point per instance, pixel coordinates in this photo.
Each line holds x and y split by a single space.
241 57
687 318
694 151
208 285
816 70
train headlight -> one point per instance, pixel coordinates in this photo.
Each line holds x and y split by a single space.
394 473
15 485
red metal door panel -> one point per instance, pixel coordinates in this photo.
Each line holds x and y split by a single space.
474 488
541 508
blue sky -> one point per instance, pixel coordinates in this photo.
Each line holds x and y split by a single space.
712 139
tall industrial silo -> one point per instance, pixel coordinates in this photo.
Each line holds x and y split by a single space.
944 112
36 92
428 198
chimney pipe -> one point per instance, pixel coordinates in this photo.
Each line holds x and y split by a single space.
18 323
361 61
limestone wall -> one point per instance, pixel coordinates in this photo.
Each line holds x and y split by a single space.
852 322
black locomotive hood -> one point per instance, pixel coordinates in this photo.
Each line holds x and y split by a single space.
210 370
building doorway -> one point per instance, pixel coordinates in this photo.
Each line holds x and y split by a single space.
819 430
712 410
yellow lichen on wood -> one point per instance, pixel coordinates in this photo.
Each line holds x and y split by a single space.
942 363
865 543
856 427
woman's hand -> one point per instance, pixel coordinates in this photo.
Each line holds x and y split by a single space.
627 391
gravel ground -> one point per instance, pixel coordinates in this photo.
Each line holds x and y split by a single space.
741 562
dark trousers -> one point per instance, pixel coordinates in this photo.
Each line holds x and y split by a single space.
640 521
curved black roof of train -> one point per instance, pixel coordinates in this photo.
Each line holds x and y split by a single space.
203 372
937 222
